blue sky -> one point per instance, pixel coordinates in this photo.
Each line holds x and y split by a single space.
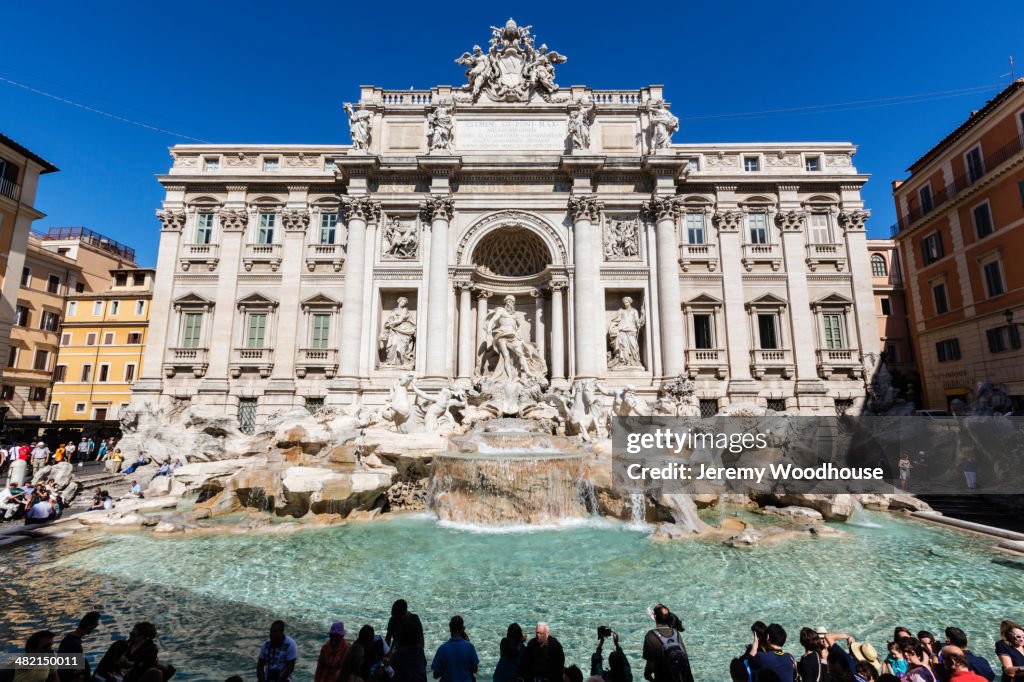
257 72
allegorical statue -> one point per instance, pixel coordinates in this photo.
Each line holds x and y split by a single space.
519 358
398 338
579 124
359 125
480 69
621 240
623 336
541 72
400 239
663 124
439 126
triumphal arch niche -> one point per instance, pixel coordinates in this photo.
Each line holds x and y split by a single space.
512 236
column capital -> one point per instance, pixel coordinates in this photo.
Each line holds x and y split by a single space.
295 220
728 221
438 207
483 294
662 208
463 285
585 208
854 221
234 220
361 208
791 221
558 285
171 221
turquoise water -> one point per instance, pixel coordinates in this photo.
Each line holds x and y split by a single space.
213 597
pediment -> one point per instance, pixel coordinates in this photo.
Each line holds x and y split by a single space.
320 301
704 300
193 300
256 300
834 299
768 300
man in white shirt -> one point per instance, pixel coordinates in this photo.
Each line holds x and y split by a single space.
40 456
39 512
11 499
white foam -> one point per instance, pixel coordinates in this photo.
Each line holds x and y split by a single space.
525 528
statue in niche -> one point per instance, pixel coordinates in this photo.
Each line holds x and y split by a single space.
623 336
401 240
579 124
621 240
518 358
398 338
359 126
439 127
663 124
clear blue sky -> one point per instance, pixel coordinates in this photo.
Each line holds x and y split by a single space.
255 72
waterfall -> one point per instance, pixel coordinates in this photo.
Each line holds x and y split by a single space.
857 517
637 509
588 494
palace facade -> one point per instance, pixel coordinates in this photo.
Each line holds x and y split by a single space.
293 275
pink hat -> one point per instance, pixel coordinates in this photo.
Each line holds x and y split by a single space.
338 629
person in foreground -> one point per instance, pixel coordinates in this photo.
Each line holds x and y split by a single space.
277 656
455 660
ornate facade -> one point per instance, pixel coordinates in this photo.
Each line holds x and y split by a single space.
510 228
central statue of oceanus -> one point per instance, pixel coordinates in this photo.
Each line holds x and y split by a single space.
517 359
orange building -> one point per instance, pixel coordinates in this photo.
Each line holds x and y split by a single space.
894 338
961 237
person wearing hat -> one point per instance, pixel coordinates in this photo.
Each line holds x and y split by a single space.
813 665
40 456
863 651
332 654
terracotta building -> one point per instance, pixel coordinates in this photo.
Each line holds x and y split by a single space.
961 234
894 338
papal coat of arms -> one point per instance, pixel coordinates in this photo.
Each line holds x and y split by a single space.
512 68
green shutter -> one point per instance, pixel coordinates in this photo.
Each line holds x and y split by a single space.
193 327
321 330
833 331
257 330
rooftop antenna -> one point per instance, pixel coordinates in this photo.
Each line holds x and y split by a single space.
1012 74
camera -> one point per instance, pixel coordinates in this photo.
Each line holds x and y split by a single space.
603 631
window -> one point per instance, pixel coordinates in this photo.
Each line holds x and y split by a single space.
321 330
926 198
330 166
104 373
708 407
134 338
39 393
54 412
247 415
993 278
266 228
1020 189
776 404
114 307
886 306
757 224
138 278
270 164
833 326
72 308
941 301
12 357
256 330
703 331
86 373
751 164
843 406
693 164
79 407
90 339
79 287
812 164
211 164
931 248
129 373
768 331
879 268
108 339
60 373
328 225
190 335
694 228
49 321
121 279
948 350
821 232
313 405
140 307
204 228
6 392
42 362
22 317
26 277
998 339
97 308
982 220
975 166
65 339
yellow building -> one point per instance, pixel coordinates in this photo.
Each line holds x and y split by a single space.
61 262
101 344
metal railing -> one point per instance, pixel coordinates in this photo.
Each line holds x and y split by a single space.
10 189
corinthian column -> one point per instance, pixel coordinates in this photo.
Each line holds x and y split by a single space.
439 210
585 210
359 210
557 333
466 324
664 210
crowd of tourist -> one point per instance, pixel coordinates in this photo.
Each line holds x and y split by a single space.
36 503
399 656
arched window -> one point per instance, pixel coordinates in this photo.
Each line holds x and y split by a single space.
879 268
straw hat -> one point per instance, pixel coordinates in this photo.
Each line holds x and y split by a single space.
863 651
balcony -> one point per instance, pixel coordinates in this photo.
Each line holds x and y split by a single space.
325 253
200 254
10 189
194 360
262 253
826 253
698 253
317 359
761 253
708 360
839 361
255 359
764 360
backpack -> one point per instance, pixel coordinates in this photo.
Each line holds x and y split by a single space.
674 660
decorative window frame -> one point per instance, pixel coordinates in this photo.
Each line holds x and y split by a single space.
319 304
991 219
807 156
934 282
190 303
875 257
986 259
967 165
706 304
262 357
